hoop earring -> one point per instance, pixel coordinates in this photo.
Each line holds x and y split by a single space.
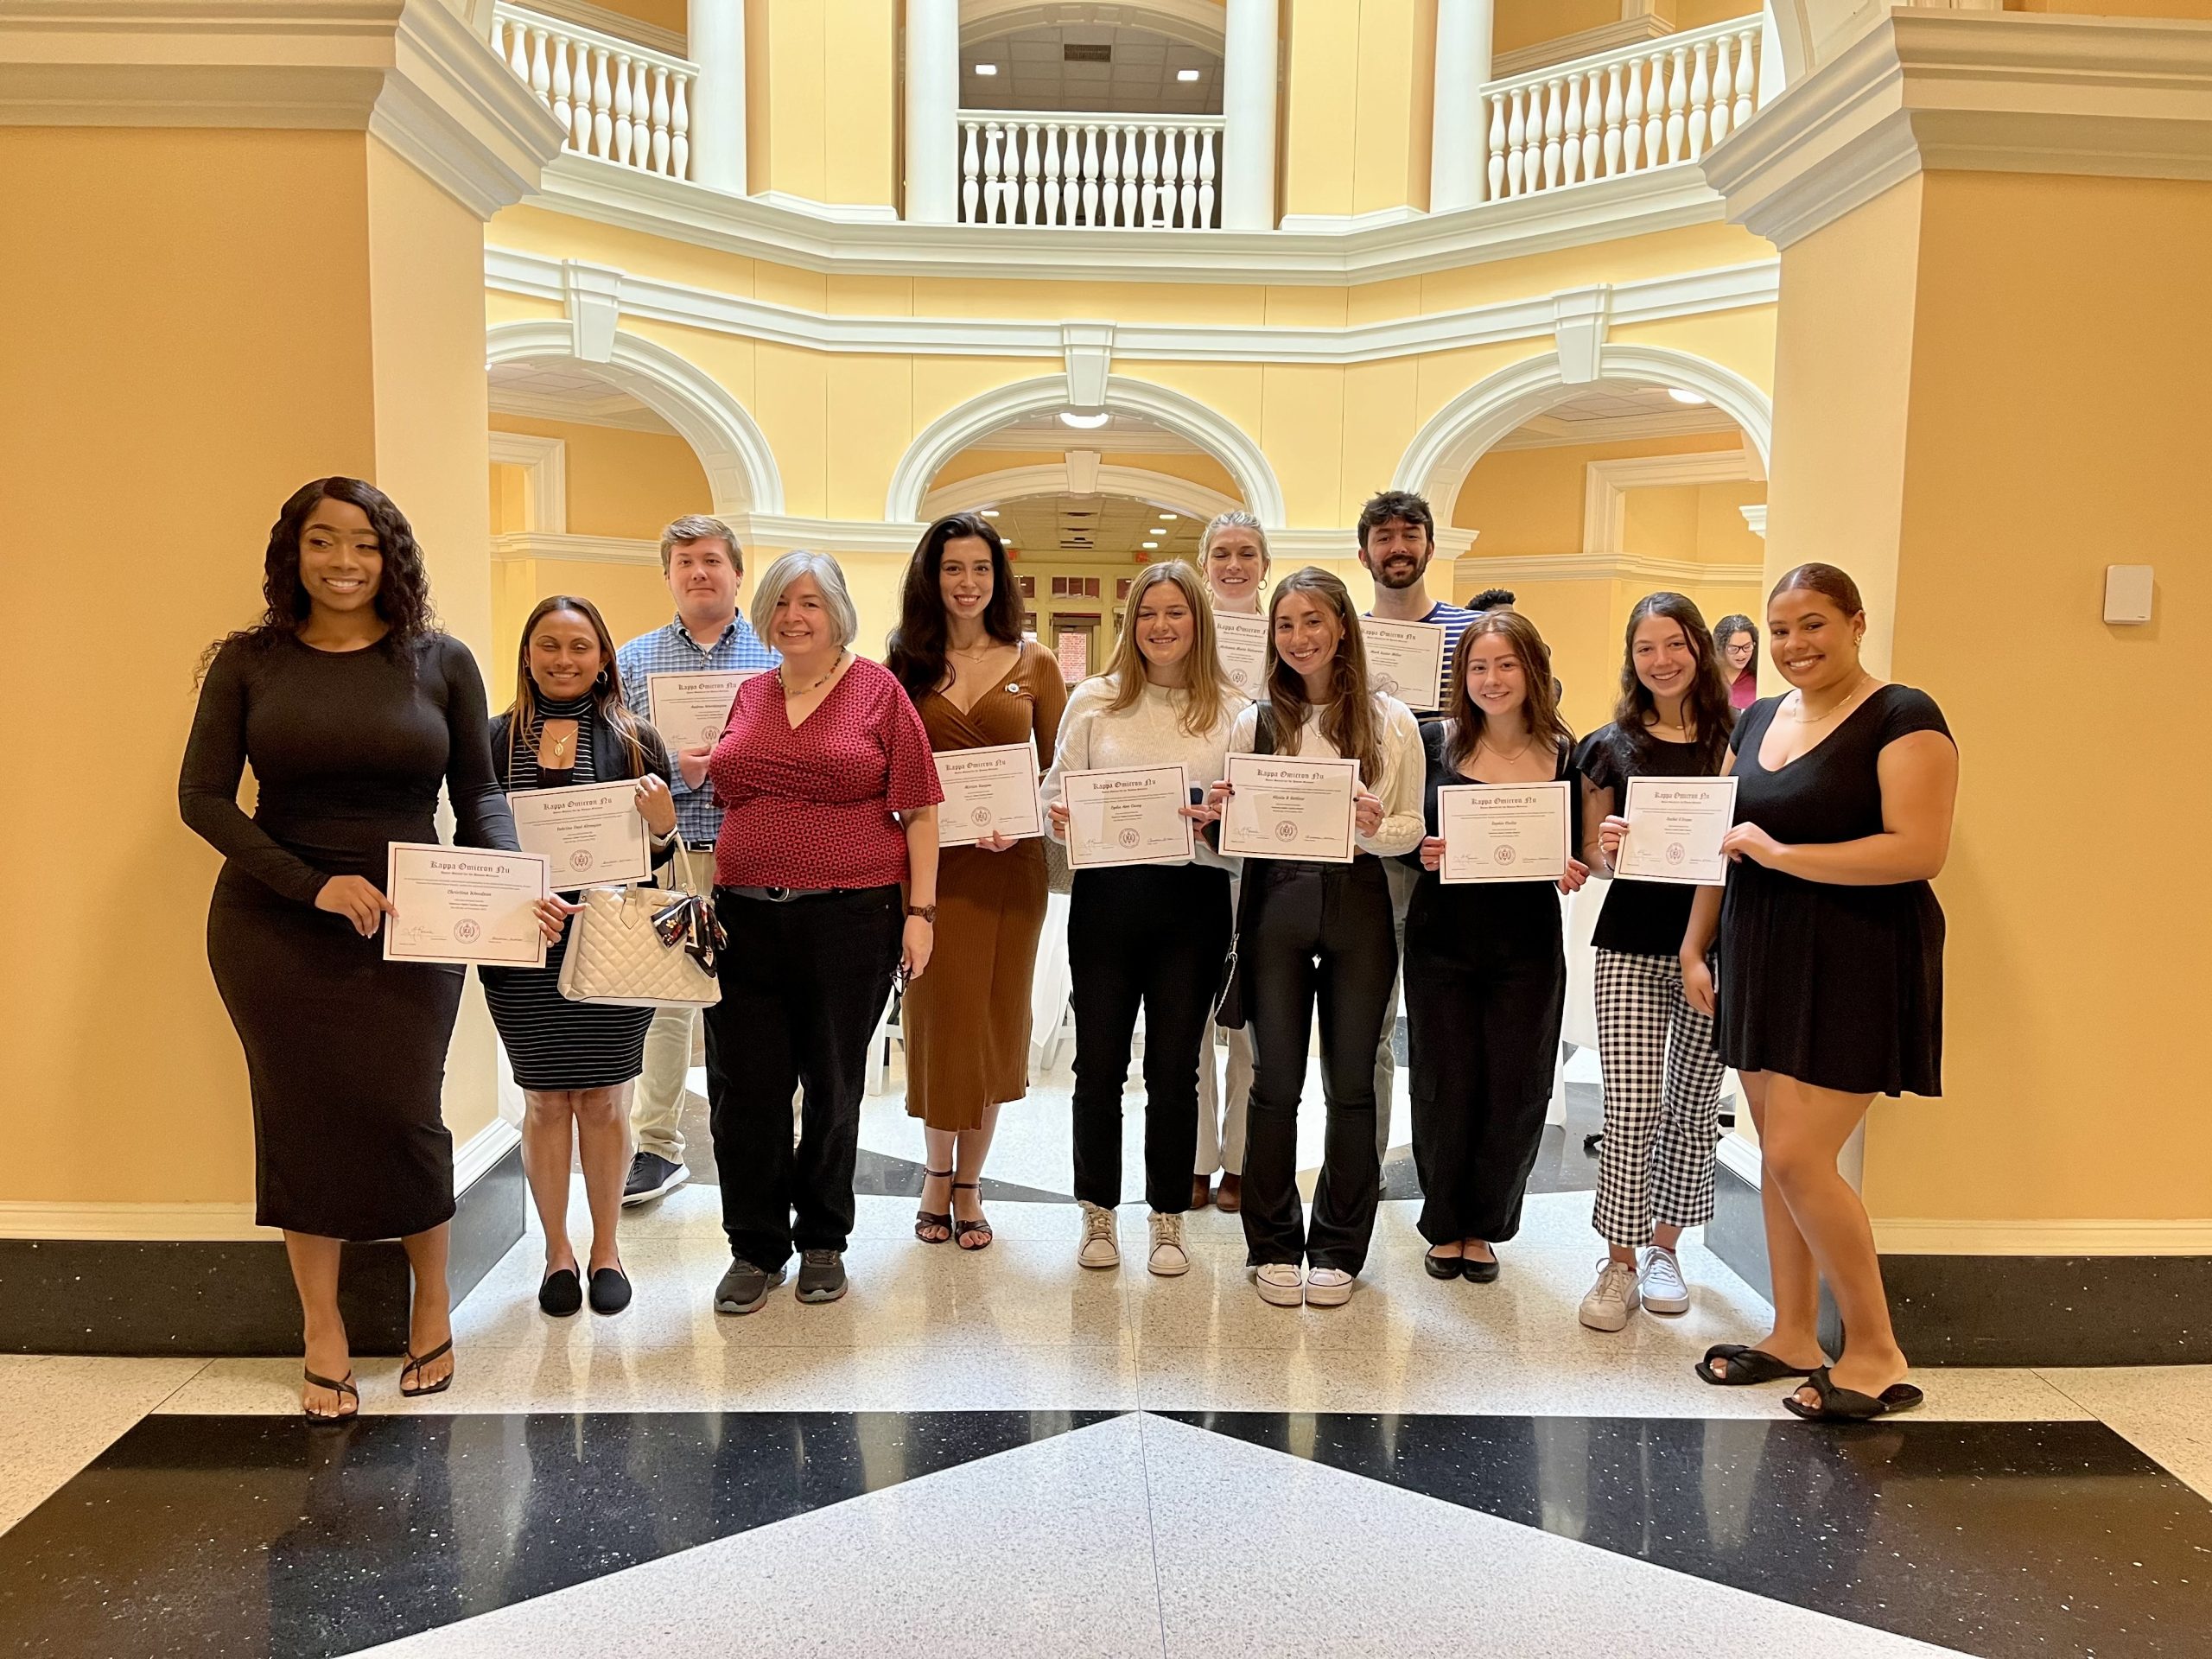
601 683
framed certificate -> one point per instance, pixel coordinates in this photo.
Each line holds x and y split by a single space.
1504 832
1405 660
587 833
1674 827
689 710
1242 643
988 792
1127 814
1287 807
464 906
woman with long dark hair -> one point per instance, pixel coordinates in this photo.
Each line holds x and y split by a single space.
352 708
1485 963
1737 639
570 724
977 683
1655 1047
1320 929
1831 985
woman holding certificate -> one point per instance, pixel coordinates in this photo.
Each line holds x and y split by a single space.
1331 785
569 728
1148 917
1654 1045
1485 962
978 684
1831 988
353 709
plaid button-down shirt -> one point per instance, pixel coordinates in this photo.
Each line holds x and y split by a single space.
671 651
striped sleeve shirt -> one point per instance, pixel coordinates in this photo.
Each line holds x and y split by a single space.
672 651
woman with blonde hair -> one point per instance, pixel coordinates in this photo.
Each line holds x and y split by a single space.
1146 935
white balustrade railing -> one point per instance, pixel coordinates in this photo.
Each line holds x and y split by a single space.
1025 167
1627 110
620 101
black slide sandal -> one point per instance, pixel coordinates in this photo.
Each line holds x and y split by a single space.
1747 1367
341 1388
415 1364
1848 1405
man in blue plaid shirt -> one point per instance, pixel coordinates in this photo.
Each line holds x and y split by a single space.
704 566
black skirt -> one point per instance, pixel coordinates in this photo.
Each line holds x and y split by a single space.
553 1043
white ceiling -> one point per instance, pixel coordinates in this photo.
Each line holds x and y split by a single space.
567 391
1107 529
1139 77
1610 414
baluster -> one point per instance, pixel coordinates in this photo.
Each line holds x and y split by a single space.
562 86
679 132
1497 142
1129 177
1517 145
500 37
1206 172
993 169
1187 197
1571 149
623 108
1747 58
602 105
519 52
1147 173
1723 84
1051 176
1032 172
1554 122
1090 176
659 162
1109 178
1632 120
580 92
541 80
1654 113
1593 103
970 167
1612 144
1700 101
1678 102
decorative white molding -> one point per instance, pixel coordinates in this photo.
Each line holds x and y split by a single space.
1196 22
519 546
826 535
616 410
592 296
1904 1235
1583 43
1082 466
1654 299
1605 485
740 467
473 1158
544 463
412 72
1505 569
1374 218
1754 516
1549 432
1972 91
1089 348
836 213
1580 317
1740 1155
1013 483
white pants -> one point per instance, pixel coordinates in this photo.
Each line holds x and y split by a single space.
1402 882
1221 1107
657 1106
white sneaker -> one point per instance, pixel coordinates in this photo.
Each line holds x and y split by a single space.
1282 1283
1168 1257
1612 1299
1661 1283
1327 1286
1098 1248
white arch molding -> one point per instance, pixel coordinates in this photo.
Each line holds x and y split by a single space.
740 468
1182 495
1446 449
1195 23
977 418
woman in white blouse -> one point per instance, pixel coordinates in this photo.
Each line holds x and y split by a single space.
1320 928
1154 934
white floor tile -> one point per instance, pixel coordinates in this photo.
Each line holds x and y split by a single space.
58 1413
2164 1410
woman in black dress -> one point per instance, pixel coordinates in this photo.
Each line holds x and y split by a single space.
1831 986
352 708
1485 962
576 1061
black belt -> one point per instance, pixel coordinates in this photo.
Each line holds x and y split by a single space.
785 895
705 846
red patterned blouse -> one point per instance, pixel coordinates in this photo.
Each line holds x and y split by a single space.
812 807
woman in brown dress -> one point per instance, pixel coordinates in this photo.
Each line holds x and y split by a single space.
958 651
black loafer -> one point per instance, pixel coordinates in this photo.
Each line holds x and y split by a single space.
1440 1267
610 1290
561 1294
1474 1270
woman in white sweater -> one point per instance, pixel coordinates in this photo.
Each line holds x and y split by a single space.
1149 934
1320 928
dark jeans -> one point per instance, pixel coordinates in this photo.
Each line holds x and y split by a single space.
803 985
1154 934
1317 931
1484 1005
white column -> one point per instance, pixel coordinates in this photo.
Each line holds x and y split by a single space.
1457 150
932 110
716 43
1249 72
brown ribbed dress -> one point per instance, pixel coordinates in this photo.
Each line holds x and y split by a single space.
965 1022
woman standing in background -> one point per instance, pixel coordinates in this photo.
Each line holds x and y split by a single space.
1736 639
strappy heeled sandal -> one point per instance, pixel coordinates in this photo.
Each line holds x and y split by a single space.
341 1388
1839 1405
924 1218
415 1363
965 1231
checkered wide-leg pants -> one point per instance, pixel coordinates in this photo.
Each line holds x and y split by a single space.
1662 1100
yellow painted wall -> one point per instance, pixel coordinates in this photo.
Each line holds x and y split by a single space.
1517 23
1530 501
620 482
664 14
822 90
1357 104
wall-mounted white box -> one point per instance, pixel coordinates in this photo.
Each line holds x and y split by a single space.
2127 593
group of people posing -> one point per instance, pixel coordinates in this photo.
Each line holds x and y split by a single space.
1816 972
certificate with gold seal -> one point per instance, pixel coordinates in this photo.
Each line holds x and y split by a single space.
587 833
988 792
1503 832
1286 806
464 905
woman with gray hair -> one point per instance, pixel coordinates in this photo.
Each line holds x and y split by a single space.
825 882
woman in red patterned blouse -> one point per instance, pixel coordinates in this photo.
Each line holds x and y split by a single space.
825 877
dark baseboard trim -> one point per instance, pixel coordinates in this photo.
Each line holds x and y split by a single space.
217 1298
2006 1310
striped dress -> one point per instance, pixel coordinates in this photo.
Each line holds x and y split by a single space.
551 1042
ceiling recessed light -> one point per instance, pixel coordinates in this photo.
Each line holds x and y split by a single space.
1069 417
1187 74
987 68
990 513
1150 546
1681 396
1166 515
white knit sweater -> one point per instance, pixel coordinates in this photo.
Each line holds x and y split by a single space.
1150 732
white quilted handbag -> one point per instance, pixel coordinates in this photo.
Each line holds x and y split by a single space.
642 947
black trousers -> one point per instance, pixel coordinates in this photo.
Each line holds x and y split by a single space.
1317 931
1484 1000
803 985
1154 935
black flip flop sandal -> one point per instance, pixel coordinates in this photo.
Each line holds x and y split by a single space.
415 1363
924 1218
1747 1366
965 1231
1848 1405
341 1388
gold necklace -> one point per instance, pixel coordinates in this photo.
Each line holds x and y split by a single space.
1483 742
836 664
1841 704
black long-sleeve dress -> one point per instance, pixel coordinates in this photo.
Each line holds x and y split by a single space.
346 1051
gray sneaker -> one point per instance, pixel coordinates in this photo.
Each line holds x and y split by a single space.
744 1286
650 1176
821 1275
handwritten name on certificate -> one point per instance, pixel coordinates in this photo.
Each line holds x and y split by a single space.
1127 814
1503 832
587 833
1287 807
689 710
1674 827
1241 642
1405 660
464 906
988 791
